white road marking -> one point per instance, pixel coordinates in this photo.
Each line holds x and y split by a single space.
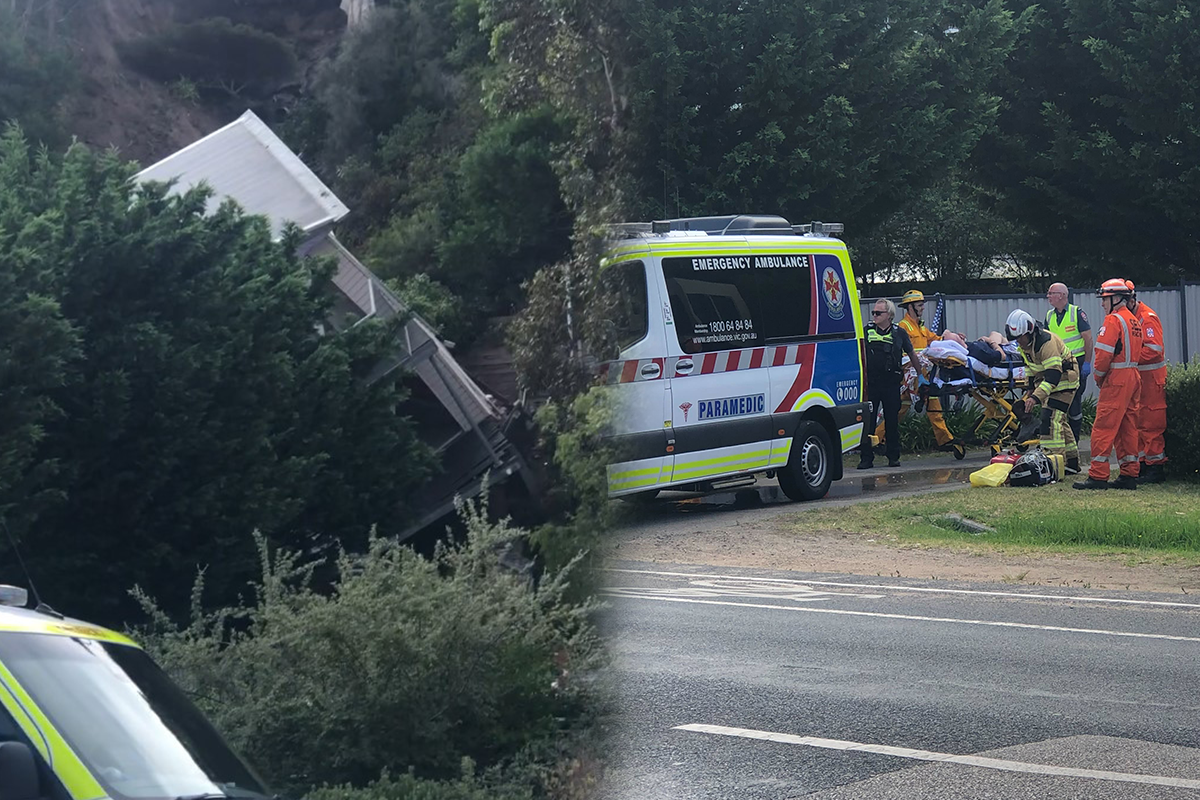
762 589
946 758
911 617
927 589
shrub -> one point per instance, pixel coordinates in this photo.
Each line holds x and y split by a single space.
577 497
1088 406
916 434
410 787
411 663
213 53
1183 419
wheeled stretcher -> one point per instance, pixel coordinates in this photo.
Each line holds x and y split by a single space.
998 389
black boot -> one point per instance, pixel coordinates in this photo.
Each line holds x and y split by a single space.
1151 473
1073 467
1124 482
1090 483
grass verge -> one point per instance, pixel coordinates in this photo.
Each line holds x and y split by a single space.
1158 523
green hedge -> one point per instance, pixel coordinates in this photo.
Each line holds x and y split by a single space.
1183 420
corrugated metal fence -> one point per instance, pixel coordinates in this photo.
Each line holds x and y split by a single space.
978 315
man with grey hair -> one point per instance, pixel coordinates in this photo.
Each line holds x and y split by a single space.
1071 325
887 344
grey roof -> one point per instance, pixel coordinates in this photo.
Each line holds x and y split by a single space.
246 161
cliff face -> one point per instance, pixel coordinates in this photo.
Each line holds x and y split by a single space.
114 106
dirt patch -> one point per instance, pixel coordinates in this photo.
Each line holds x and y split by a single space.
766 541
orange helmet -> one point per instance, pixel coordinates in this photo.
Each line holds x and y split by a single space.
1114 287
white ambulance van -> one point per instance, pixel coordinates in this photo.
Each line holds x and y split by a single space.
741 352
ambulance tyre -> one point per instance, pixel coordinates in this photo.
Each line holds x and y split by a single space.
808 475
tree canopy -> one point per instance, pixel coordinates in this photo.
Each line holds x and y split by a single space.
818 110
1097 148
170 392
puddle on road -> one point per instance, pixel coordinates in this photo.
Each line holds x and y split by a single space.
853 485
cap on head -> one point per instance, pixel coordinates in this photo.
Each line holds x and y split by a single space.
1019 323
1114 287
912 296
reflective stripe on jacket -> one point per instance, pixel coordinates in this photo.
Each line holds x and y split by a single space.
1119 343
1153 352
918 332
1051 361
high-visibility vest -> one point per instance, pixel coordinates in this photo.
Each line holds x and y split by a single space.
883 351
1067 330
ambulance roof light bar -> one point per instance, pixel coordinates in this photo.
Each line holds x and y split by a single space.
729 225
816 228
14 596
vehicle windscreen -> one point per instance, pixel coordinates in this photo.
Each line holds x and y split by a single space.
132 727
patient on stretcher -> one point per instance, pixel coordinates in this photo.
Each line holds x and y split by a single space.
988 355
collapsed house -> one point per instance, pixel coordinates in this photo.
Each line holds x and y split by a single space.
475 436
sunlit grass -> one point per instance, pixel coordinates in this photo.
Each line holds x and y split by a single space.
1162 520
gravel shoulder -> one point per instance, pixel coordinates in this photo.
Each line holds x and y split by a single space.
771 543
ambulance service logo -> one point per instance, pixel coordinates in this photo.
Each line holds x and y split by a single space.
835 293
685 408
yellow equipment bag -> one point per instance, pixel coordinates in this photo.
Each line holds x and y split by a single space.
991 475
1058 464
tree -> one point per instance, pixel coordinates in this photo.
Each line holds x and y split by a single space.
1098 145
817 110
203 404
38 345
949 235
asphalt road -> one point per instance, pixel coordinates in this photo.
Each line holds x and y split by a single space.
823 687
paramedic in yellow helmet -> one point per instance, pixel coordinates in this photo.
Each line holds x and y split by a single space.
913 303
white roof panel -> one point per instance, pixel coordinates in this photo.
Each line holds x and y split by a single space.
246 161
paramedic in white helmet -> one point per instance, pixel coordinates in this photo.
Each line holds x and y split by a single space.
1053 375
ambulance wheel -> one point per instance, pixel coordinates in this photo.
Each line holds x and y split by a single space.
807 475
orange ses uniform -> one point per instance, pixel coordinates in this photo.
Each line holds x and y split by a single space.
1118 349
1152 396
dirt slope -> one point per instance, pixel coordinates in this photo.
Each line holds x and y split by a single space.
116 107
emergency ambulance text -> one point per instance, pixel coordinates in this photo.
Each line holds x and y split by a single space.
750 262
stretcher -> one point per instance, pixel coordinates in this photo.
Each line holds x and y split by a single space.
999 390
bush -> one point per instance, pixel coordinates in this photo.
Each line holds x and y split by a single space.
577 497
1183 420
916 434
412 663
1088 406
410 787
213 53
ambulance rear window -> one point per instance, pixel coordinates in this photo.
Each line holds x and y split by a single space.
731 302
624 293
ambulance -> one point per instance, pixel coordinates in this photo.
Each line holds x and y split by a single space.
85 714
741 352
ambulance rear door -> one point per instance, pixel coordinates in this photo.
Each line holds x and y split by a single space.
640 391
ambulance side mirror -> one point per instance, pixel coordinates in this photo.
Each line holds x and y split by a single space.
18 773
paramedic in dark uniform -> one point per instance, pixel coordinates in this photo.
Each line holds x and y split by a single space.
887 344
